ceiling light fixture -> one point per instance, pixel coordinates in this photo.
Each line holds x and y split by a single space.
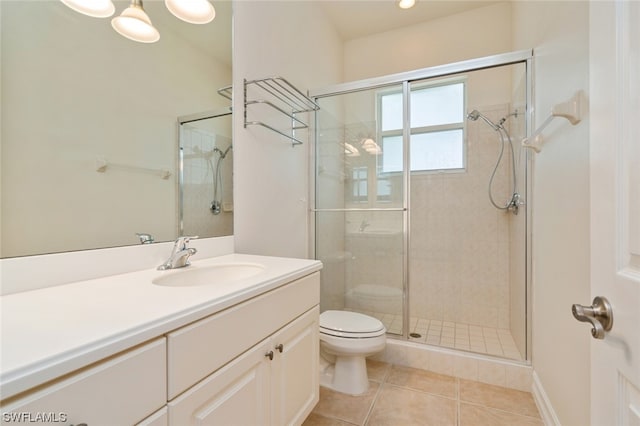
350 150
406 4
95 8
192 11
134 24
371 146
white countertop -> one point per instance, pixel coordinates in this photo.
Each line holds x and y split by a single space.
53 331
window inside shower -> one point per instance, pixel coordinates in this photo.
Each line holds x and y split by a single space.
436 123
403 221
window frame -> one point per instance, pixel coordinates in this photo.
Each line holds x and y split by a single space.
462 125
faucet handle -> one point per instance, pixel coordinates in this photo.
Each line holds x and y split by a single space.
181 242
145 238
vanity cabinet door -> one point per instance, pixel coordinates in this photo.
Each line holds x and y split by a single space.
121 390
294 370
199 349
261 387
237 394
159 418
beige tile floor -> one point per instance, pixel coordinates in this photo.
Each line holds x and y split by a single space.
473 338
407 396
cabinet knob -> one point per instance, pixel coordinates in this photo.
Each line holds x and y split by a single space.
280 347
269 355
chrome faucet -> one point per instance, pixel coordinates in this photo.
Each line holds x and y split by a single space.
145 238
363 225
179 255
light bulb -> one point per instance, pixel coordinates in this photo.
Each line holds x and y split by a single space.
134 24
95 8
192 11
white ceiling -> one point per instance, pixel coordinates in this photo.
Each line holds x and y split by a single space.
351 18
358 18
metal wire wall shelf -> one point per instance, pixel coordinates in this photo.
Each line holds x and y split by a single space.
281 96
226 92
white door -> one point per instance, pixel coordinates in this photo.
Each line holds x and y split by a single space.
615 207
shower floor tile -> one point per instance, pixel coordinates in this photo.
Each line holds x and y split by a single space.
484 340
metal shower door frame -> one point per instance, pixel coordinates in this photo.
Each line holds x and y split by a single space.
405 79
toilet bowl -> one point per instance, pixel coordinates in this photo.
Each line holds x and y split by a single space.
346 339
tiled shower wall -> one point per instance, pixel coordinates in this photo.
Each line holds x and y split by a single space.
459 246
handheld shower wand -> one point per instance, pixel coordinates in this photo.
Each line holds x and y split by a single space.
216 204
475 114
514 203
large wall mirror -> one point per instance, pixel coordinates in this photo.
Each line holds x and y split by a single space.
90 125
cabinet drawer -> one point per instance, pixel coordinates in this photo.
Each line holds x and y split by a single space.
121 390
197 350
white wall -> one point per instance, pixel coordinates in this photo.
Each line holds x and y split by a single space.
271 178
476 33
559 33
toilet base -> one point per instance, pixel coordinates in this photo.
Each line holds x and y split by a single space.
348 375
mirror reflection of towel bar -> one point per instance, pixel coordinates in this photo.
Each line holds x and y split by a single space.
102 165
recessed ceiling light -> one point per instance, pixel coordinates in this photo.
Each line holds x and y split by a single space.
406 4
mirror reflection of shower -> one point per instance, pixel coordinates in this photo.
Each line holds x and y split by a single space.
216 204
206 174
514 203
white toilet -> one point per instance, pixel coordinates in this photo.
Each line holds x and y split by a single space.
346 339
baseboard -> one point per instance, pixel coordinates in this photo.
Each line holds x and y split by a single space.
542 401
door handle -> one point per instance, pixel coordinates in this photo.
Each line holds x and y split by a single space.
600 315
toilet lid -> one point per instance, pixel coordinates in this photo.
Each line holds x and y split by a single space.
350 324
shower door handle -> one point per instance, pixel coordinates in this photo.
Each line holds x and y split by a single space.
600 315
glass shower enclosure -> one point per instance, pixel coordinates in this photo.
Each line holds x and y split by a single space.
421 203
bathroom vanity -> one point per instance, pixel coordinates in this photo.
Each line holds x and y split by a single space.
230 340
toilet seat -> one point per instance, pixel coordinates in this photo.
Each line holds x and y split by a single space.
348 324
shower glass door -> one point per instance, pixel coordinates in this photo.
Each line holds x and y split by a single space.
422 211
360 200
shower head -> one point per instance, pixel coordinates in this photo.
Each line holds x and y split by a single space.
475 114
221 152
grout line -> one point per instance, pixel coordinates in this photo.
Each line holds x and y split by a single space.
458 401
373 402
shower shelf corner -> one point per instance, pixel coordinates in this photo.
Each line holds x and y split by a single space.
280 96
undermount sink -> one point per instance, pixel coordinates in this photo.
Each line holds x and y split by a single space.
208 275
